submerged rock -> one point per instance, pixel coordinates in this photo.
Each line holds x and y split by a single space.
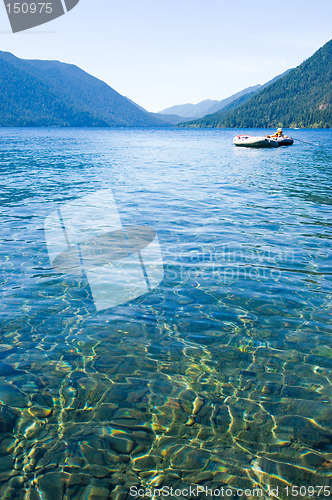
7 370
51 486
97 471
147 462
92 492
11 395
40 412
8 418
124 444
188 458
6 463
305 431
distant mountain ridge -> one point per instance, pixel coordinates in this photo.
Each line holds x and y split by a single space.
51 93
208 106
300 99
215 117
190 110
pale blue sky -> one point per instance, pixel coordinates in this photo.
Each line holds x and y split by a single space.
165 52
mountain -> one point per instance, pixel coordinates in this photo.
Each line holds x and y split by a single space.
168 119
229 100
213 119
190 110
300 99
51 93
206 107
165 118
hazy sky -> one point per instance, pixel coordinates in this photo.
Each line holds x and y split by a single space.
165 52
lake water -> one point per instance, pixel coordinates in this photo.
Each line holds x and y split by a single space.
220 377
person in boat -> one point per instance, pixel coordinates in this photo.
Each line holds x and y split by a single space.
279 133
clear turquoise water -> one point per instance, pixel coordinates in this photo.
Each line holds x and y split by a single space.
221 376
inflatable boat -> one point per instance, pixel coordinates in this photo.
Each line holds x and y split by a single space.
250 141
284 141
